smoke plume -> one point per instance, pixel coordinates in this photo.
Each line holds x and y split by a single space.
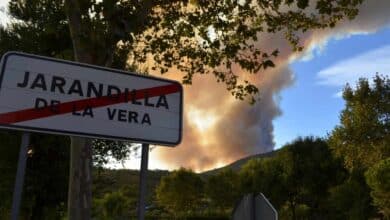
219 129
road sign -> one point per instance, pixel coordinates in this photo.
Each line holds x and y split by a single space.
252 207
264 209
57 96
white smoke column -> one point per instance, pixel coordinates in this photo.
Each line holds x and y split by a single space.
219 129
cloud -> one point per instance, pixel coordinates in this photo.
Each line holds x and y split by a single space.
363 65
3 15
338 94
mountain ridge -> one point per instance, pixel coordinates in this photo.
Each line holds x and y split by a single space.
236 165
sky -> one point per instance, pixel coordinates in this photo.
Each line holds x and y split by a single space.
311 106
301 96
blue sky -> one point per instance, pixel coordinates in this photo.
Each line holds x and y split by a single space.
311 106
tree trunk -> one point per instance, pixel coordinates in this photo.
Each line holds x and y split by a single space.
80 179
80 175
293 213
37 210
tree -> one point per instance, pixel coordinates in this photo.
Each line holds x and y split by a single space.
41 28
350 200
180 192
222 189
363 137
378 178
47 169
361 140
296 178
8 156
105 150
305 160
114 205
264 175
196 37
44 192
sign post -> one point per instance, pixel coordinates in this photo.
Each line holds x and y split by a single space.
17 196
143 181
55 96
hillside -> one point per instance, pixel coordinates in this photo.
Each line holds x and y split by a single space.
236 166
108 180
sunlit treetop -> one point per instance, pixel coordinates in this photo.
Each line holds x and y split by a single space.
196 36
363 136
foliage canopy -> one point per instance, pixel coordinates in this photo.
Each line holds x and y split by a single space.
180 192
196 36
378 178
363 137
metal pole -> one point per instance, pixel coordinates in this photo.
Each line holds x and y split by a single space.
20 176
142 182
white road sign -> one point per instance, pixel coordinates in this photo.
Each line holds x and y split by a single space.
57 96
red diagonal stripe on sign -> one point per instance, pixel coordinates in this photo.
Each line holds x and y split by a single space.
66 107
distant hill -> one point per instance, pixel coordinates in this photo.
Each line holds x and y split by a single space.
108 180
236 166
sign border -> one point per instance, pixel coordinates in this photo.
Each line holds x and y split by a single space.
3 62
